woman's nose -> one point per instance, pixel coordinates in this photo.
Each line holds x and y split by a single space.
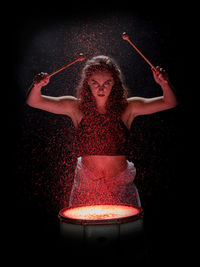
101 88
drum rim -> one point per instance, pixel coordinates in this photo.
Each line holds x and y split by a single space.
130 218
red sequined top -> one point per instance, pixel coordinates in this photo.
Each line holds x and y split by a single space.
102 135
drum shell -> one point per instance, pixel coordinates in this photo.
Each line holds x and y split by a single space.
101 233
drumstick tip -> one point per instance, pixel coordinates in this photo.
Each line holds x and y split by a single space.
81 57
125 36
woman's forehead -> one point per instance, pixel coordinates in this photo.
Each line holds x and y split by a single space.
101 75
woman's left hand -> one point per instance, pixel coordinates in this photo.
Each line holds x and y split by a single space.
160 75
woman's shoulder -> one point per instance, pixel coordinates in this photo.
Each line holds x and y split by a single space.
78 114
72 101
128 115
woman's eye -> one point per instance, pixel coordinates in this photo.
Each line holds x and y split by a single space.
94 83
107 83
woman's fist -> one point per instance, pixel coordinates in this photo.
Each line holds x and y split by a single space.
160 75
41 79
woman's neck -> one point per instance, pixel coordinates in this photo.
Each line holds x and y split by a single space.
101 109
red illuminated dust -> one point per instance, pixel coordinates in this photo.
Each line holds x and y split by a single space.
46 157
100 212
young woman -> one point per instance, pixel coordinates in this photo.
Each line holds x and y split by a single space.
102 115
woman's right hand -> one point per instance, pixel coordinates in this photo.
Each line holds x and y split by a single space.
41 79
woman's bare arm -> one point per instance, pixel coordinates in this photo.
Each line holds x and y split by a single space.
141 106
59 105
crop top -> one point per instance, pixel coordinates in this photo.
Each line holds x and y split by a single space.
102 135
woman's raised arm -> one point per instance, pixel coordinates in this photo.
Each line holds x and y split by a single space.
141 106
59 105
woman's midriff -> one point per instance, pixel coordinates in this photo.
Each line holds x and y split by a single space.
105 166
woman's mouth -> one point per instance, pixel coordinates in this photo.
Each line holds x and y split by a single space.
101 95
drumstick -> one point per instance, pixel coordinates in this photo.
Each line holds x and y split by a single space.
80 58
126 37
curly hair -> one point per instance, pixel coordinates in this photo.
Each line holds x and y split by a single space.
117 100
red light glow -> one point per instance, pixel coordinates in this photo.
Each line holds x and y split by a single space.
100 212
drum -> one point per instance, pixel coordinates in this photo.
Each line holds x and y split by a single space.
100 225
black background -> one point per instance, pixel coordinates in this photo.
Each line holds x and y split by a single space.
39 158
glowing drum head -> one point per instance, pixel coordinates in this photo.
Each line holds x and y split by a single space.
97 214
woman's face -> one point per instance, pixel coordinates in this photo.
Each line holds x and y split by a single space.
101 84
